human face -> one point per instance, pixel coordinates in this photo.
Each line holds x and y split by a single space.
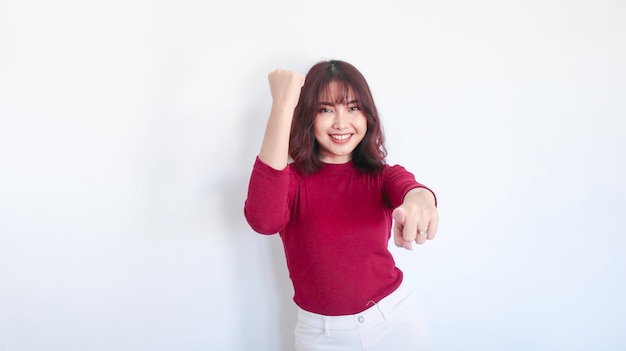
339 127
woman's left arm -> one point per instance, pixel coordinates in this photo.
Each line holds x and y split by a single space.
416 219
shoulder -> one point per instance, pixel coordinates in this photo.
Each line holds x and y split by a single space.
293 170
394 169
396 174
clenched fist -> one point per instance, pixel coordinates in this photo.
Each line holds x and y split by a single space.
285 87
416 220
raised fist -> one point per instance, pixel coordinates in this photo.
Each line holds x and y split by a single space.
285 87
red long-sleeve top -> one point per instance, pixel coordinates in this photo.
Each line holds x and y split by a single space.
335 226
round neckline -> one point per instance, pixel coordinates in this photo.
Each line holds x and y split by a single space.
337 167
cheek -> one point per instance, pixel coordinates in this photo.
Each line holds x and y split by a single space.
361 127
363 124
319 129
317 126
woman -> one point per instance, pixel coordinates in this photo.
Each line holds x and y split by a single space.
321 181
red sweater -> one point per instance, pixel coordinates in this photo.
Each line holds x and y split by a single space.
335 226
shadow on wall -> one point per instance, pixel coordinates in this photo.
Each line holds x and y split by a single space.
257 314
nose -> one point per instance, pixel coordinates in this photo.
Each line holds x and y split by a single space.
340 118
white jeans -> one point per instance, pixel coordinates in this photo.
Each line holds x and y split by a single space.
395 323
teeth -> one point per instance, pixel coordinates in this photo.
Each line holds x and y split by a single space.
340 136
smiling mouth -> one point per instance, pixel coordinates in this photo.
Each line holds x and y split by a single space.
340 136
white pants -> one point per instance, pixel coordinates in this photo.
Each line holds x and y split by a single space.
395 323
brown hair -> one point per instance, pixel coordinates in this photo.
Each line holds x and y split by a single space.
369 155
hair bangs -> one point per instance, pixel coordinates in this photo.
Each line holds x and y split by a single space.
335 94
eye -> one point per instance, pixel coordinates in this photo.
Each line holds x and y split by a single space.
325 110
354 108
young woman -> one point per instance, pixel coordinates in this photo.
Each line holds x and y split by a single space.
321 181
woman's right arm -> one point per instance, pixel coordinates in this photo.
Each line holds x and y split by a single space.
267 206
285 87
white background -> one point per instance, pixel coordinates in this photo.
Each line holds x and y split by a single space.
128 130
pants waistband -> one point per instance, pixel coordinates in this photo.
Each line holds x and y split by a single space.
375 313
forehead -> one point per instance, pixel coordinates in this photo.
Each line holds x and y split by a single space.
336 92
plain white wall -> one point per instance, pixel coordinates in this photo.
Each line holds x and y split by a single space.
128 130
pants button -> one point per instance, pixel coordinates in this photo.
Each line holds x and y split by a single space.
361 319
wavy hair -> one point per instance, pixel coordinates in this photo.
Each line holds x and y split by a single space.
369 155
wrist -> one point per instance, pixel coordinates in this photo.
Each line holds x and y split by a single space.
422 195
283 108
